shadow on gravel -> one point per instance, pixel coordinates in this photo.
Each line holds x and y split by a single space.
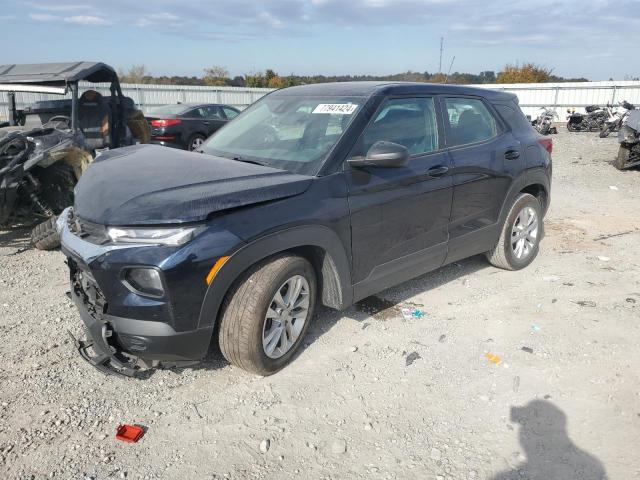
550 452
18 238
388 304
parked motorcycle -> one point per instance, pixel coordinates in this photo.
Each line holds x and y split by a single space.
629 138
616 118
544 123
589 122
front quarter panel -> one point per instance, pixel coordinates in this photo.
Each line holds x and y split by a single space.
317 218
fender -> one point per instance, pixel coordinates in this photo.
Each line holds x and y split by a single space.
335 267
535 176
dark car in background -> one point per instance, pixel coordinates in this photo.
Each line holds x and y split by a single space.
187 126
315 195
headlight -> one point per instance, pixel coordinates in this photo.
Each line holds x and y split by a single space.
156 236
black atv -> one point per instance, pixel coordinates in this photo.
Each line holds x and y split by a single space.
45 147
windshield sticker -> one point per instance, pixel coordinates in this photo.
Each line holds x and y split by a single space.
336 108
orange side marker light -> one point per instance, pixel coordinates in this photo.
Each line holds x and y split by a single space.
216 268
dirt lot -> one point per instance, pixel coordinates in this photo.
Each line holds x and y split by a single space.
373 395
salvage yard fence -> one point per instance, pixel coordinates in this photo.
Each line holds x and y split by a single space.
532 96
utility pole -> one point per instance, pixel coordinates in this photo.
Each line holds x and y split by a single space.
441 50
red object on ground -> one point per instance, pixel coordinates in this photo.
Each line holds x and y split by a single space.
129 433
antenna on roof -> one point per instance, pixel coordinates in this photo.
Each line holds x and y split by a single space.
441 50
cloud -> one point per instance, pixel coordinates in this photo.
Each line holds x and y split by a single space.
88 20
43 17
59 7
84 20
162 18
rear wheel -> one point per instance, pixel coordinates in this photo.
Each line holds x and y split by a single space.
572 127
196 142
267 313
520 237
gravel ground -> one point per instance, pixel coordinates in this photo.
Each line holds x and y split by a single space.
529 375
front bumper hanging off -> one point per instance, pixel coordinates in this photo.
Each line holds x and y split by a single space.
105 362
97 349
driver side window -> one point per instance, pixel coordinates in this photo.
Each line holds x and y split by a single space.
410 122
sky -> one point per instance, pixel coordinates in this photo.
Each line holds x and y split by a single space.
593 39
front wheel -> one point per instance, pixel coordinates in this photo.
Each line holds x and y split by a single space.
267 313
606 130
45 235
623 158
520 237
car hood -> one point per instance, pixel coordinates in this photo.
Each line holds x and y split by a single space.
151 185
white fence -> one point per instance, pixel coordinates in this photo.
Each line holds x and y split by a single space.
532 96
563 96
152 95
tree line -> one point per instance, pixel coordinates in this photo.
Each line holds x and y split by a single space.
219 76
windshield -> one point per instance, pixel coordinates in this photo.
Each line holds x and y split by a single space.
294 133
167 110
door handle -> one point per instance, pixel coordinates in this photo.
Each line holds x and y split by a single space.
511 154
437 171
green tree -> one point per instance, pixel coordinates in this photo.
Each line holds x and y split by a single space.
525 73
254 80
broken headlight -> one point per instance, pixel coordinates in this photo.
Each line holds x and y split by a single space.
154 236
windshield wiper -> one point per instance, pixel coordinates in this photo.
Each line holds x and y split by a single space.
246 160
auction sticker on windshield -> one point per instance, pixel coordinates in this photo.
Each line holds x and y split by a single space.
337 108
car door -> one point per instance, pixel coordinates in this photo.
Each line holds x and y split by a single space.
213 118
400 215
483 157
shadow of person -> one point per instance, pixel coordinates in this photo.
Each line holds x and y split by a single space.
551 455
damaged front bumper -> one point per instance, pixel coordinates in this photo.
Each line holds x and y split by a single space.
115 344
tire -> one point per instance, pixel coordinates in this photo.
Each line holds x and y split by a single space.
195 142
244 321
45 236
503 255
606 130
572 128
623 157
544 129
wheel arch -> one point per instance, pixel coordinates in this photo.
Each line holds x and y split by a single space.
320 245
534 182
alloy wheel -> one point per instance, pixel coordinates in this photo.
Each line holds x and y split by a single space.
285 317
196 143
524 234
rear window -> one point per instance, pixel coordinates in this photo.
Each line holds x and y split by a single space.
469 121
515 118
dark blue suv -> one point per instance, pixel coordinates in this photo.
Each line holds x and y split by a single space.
320 194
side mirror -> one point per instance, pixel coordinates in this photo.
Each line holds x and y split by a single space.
382 154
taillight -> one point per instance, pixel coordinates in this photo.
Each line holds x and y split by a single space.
546 143
165 122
